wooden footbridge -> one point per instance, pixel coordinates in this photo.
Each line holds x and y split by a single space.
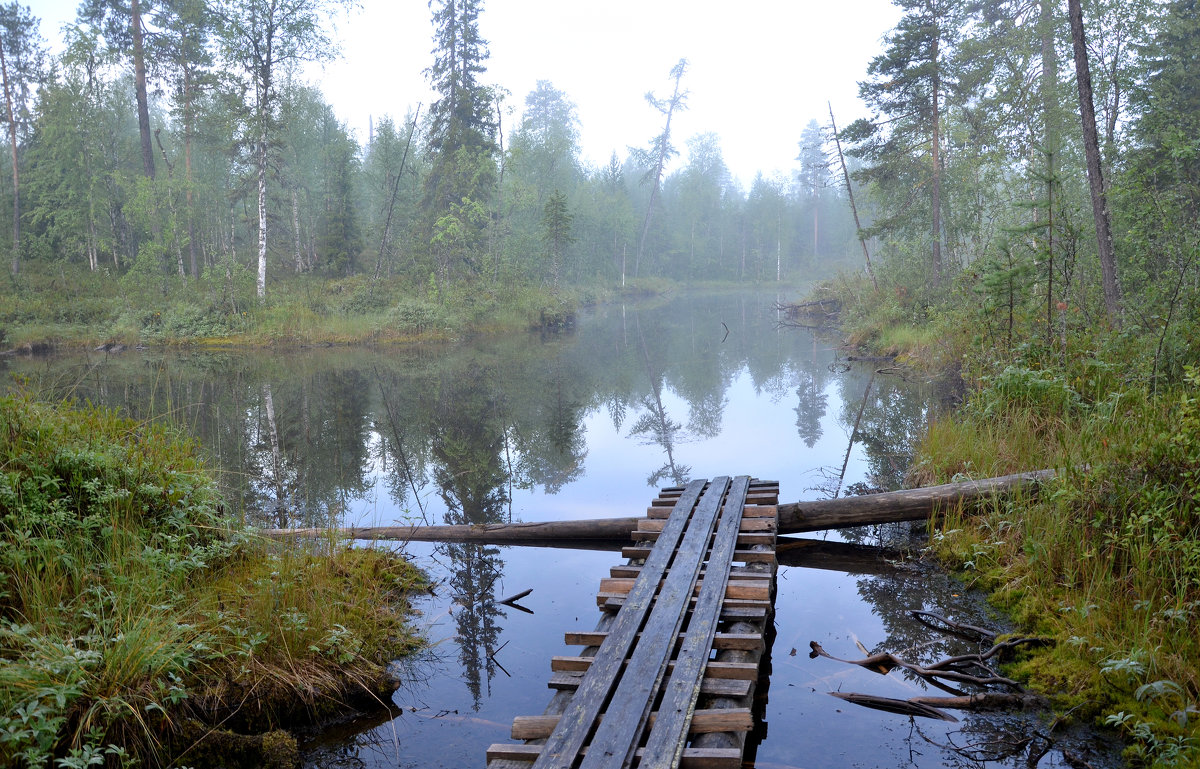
669 676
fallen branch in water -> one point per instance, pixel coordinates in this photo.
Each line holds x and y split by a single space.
947 669
961 629
931 707
512 599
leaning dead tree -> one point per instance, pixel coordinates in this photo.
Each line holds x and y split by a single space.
850 193
793 518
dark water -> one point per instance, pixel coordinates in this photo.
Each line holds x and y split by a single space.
584 425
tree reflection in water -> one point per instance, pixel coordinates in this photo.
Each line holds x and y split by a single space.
468 439
655 426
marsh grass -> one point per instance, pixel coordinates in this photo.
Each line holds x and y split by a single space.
135 619
1106 560
65 306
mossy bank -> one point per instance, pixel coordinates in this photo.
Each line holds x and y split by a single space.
140 626
1106 559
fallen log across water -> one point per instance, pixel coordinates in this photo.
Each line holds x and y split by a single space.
794 517
907 505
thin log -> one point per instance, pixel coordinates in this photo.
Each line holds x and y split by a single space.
908 505
500 533
512 599
893 705
931 707
885 661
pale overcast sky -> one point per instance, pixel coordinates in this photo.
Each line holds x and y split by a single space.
759 69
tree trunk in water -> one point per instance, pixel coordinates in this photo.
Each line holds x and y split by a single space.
1091 150
16 176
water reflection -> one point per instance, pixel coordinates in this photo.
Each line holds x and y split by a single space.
530 428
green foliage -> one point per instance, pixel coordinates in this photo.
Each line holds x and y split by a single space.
130 604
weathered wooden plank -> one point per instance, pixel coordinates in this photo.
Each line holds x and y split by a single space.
616 738
693 758
703 722
561 663
609 601
666 742
750 511
630 571
564 744
757 589
749 525
638 552
748 641
716 687
732 609
744 540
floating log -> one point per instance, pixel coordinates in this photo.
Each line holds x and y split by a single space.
794 517
498 533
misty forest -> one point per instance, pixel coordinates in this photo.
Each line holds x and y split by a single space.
992 267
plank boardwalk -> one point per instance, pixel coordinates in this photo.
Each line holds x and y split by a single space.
669 676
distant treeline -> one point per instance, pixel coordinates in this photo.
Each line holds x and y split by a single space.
176 137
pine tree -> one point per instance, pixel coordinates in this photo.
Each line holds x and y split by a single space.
461 140
907 87
556 232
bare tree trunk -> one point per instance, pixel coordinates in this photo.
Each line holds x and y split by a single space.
188 128
174 212
261 285
296 230
935 150
1091 150
16 175
1050 144
387 224
663 147
139 79
850 192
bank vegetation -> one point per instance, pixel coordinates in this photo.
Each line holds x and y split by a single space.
141 625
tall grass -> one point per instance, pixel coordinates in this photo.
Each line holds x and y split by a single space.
1107 559
134 618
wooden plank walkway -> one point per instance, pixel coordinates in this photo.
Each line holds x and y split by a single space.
668 677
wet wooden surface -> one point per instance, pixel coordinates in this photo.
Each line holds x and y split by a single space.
699 585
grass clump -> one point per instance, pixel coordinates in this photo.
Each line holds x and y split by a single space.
1107 558
139 625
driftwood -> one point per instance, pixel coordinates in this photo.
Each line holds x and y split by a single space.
944 669
932 707
795 517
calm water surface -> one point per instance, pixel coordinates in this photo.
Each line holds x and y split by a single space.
583 425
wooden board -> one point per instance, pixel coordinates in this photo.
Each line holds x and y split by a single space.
636 701
565 743
611 747
667 740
